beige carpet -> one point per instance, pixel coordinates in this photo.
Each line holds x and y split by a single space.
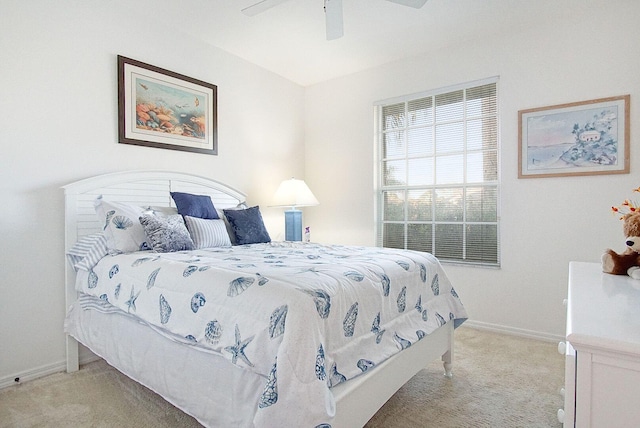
499 381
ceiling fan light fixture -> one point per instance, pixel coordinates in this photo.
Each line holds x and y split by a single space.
332 10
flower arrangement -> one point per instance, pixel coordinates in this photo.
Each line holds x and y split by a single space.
627 207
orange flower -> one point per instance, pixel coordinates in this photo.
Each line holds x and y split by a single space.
627 206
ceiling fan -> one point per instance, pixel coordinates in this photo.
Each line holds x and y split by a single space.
332 9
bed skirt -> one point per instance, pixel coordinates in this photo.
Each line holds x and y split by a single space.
194 385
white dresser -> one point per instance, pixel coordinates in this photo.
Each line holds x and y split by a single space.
602 369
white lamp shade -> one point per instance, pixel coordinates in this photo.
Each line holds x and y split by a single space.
294 193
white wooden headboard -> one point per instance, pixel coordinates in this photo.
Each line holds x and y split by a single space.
144 188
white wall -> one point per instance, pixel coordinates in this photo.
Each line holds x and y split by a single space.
572 55
58 107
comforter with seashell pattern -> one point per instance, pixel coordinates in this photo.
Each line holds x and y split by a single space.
305 316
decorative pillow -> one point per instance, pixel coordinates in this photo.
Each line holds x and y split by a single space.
194 205
88 251
120 226
166 234
207 233
247 225
232 236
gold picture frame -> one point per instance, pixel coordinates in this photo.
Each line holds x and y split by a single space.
580 138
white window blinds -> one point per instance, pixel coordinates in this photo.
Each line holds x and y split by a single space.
437 169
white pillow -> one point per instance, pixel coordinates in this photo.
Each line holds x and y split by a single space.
207 233
121 226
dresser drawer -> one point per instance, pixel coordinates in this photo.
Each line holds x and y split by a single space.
607 390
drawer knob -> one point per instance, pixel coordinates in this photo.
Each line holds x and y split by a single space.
562 348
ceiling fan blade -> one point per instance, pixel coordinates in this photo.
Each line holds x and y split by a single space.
333 18
411 3
261 6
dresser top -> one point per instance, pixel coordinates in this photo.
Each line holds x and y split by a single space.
603 310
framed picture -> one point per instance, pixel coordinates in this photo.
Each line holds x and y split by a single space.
160 108
583 138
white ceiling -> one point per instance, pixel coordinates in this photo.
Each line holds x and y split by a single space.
289 39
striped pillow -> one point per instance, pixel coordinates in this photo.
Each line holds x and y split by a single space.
207 233
88 251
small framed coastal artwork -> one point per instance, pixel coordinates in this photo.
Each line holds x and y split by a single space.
163 109
581 138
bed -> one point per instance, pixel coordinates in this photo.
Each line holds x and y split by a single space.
215 364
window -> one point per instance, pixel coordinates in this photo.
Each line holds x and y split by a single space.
437 173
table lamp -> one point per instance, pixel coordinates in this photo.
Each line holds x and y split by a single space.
293 193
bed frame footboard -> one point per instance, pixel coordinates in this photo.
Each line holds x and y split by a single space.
359 399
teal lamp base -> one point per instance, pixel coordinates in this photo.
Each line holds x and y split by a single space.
293 225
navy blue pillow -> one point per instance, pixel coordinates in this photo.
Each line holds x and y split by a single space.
247 226
194 205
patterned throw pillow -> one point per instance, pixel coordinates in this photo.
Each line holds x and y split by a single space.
247 225
207 233
166 234
120 226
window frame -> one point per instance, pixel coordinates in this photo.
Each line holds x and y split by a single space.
380 189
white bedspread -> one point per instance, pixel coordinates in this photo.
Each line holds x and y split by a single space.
304 316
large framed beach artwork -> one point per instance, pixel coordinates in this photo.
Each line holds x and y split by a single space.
582 138
160 108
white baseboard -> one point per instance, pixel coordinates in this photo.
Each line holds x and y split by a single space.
546 337
35 373
42 371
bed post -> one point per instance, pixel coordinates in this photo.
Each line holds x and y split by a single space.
447 357
70 294
72 355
